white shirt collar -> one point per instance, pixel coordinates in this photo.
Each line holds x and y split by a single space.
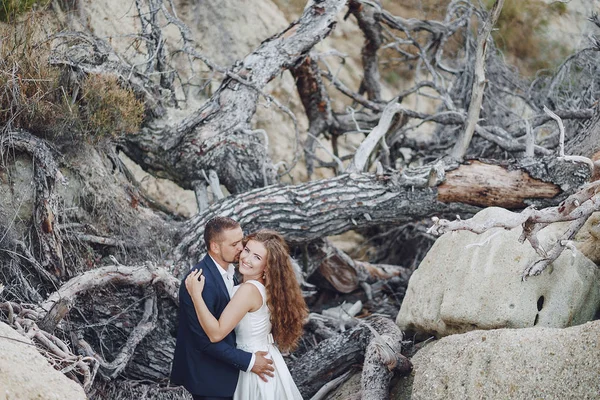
224 274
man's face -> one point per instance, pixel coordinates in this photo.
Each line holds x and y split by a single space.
228 249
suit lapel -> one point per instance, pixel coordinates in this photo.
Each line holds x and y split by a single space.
216 275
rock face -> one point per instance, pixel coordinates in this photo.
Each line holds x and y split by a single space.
532 363
25 374
470 281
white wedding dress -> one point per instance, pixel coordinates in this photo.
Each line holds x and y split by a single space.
253 333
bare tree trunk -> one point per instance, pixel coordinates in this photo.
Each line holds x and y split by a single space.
378 335
382 358
341 352
313 210
316 104
218 135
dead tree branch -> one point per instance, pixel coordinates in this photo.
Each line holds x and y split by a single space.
377 336
212 137
577 208
368 17
367 146
110 370
313 210
382 358
47 175
479 81
139 276
317 105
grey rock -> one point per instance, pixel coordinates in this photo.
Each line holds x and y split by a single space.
468 281
531 363
25 374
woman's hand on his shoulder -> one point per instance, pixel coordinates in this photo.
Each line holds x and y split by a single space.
194 283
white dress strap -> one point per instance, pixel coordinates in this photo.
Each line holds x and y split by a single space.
261 288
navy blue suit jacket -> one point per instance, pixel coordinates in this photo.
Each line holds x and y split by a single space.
202 367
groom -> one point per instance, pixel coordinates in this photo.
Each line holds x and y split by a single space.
209 371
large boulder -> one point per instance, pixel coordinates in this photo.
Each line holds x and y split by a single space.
532 363
468 281
25 374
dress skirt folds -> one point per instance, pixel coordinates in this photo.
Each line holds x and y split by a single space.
253 334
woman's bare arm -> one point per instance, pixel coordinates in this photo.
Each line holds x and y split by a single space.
246 299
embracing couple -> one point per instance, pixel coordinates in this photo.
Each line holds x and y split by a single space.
229 335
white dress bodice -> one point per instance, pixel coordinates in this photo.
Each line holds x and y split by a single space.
253 332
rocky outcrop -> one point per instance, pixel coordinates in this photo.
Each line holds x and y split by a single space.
470 281
25 374
533 363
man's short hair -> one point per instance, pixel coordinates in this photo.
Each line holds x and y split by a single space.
215 226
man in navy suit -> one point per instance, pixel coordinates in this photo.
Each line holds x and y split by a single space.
209 371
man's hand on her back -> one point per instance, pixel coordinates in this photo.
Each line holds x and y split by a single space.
262 365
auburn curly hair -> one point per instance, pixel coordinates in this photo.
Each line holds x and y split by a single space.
284 297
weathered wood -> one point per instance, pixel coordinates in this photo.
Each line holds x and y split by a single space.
359 161
213 137
368 16
309 371
344 273
485 184
46 176
382 358
378 336
102 276
56 314
313 210
479 81
317 105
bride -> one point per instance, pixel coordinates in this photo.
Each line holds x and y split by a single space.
267 311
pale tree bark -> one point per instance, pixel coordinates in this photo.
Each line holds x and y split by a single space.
479 82
379 336
48 244
309 211
216 136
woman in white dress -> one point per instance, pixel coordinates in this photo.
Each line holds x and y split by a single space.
267 312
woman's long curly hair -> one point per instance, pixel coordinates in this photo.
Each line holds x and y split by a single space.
284 297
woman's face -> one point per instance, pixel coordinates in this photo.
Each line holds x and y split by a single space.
253 260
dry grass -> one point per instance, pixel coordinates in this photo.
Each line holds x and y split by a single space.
36 96
108 109
11 9
28 89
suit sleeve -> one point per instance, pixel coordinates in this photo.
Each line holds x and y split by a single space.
221 350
